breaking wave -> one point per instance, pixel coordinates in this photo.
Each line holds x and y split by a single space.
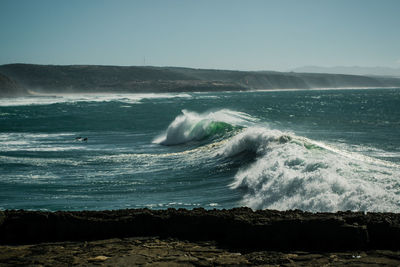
280 170
192 126
291 172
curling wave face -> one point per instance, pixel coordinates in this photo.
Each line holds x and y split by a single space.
191 126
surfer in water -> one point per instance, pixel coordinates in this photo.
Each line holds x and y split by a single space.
79 138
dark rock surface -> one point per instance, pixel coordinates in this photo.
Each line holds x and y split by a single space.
150 251
235 228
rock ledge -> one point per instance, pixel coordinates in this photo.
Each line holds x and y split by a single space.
234 228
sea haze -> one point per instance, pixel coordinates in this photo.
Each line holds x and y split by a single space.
314 150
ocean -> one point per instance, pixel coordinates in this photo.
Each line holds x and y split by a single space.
313 150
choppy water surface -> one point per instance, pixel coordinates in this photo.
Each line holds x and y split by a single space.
320 150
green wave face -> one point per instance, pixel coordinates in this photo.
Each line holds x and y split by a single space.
212 129
311 146
219 128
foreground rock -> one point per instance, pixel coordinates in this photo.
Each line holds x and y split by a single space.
173 252
236 228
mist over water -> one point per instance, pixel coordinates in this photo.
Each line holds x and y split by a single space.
314 150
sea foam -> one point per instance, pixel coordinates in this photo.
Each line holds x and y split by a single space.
48 99
291 172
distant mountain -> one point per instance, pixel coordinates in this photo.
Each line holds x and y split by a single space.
117 79
354 70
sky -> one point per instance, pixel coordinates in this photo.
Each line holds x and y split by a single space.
219 34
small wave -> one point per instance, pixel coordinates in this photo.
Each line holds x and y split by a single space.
192 126
39 162
75 98
22 136
37 142
291 172
43 149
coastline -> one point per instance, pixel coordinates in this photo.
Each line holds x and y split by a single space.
145 79
234 228
198 237
153 251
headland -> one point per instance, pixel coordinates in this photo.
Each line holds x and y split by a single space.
59 79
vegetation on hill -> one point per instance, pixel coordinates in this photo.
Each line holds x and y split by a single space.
94 78
9 88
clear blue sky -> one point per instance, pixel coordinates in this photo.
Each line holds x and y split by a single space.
242 34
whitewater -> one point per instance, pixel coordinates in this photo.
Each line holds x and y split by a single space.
319 150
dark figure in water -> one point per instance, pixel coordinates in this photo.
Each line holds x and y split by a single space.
85 139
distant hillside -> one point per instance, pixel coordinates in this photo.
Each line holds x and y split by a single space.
78 78
353 70
93 78
9 88
288 80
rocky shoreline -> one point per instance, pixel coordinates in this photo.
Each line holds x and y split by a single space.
198 237
139 251
234 228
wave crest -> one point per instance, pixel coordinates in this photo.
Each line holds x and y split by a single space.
192 126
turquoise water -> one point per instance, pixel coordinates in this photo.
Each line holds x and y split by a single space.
319 150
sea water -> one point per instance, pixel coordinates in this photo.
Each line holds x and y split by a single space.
314 150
